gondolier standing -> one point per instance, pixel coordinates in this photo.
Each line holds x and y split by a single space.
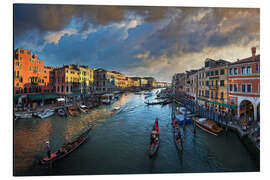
48 149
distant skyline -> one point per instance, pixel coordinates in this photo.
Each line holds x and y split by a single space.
136 41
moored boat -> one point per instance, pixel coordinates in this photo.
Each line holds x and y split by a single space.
23 115
116 109
72 111
208 126
61 112
107 98
66 149
181 119
46 113
83 108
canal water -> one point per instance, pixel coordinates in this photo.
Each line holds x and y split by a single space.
118 144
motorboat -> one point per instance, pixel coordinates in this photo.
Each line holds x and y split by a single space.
23 115
83 108
208 126
46 113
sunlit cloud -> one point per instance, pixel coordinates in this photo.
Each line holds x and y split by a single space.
54 37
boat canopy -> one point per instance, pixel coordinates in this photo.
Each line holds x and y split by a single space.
61 99
83 106
202 119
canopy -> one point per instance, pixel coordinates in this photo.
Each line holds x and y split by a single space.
61 99
36 97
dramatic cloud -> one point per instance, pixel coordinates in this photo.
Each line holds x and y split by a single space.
147 41
56 36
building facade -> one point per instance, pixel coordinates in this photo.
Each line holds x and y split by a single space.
244 86
30 74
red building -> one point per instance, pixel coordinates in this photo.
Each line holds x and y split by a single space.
244 86
30 74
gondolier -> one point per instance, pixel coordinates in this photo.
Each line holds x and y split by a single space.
48 149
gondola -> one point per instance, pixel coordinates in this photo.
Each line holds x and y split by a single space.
66 149
178 140
153 148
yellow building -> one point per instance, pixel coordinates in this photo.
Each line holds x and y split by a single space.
86 79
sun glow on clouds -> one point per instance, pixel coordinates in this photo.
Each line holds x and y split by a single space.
54 37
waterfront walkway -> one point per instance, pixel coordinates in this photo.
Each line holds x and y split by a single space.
223 119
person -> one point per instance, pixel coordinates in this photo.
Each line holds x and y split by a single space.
156 124
48 149
174 123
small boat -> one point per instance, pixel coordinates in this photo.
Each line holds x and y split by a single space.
115 110
181 119
152 103
23 115
66 149
46 113
178 141
168 101
107 98
61 112
183 110
83 108
208 126
153 148
72 111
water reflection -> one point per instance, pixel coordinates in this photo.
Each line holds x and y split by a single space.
118 143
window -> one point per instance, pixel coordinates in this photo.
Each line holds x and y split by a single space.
67 88
221 82
216 72
235 87
231 71
222 95
257 68
216 95
231 86
212 94
249 88
249 70
62 89
212 73
216 83
25 90
22 51
243 70
243 88
235 71
21 79
221 71
57 88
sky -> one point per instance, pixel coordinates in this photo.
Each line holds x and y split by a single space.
136 40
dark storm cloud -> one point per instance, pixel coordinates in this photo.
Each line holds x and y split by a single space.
196 28
56 17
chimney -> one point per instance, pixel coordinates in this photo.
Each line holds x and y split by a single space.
253 50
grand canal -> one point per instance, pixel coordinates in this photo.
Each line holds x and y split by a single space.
118 144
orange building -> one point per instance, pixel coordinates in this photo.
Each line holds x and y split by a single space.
244 86
30 75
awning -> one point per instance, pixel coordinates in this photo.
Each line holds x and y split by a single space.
73 95
36 97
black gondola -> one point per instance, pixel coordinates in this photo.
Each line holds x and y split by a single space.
66 149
